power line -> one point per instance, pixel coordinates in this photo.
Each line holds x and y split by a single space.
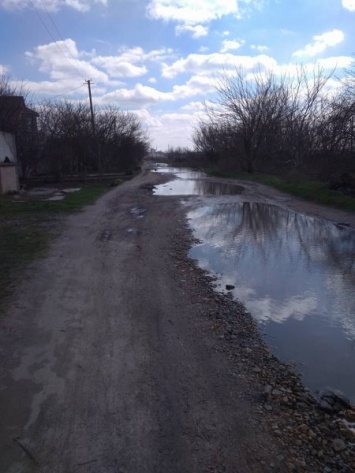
58 32
69 92
55 41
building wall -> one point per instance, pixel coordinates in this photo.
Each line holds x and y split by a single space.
7 147
8 178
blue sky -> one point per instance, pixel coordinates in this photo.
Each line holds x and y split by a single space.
160 58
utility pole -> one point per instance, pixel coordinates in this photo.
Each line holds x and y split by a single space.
351 133
88 81
91 107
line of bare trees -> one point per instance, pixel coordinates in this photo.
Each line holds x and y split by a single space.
68 145
65 143
267 122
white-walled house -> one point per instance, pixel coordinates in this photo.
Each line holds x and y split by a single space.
9 181
16 118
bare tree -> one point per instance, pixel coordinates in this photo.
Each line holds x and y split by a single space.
306 106
68 145
248 115
264 121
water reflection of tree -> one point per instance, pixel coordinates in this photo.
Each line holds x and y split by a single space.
271 228
255 223
264 232
207 187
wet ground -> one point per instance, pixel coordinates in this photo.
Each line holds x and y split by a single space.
197 187
295 274
48 193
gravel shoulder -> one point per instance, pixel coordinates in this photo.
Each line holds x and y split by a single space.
118 356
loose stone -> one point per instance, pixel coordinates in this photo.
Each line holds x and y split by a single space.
338 445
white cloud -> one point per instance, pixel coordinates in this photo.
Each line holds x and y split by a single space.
200 84
197 30
349 5
65 88
175 130
3 69
196 107
259 48
196 85
148 120
321 43
230 45
215 63
50 5
137 54
117 67
335 62
191 13
61 60
140 96
130 61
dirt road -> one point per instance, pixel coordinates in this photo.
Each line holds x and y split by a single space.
112 358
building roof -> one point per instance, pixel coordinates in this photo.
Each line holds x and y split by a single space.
12 112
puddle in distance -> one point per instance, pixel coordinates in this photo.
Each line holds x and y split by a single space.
183 173
197 187
192 182
296 275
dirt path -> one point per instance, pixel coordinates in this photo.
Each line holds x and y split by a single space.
112 358
299 205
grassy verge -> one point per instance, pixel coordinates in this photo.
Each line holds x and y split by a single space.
26 229
313 191
72 202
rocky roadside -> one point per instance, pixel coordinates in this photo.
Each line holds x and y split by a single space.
313 440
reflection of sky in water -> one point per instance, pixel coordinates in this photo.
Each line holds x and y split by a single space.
196 187
184 173
296 275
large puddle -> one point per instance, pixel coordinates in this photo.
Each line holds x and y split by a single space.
296 275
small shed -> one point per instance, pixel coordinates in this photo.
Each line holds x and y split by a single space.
9 181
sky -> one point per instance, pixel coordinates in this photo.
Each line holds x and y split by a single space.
161 58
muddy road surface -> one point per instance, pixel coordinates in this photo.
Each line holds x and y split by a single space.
113 357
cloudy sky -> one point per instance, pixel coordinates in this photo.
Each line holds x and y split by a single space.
160 58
